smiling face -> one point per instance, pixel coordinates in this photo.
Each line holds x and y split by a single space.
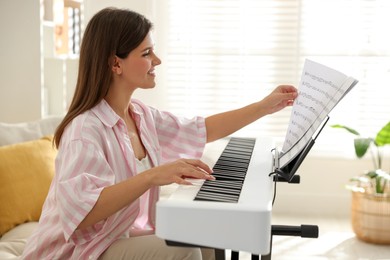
137 69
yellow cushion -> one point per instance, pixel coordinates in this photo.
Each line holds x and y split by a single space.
26 171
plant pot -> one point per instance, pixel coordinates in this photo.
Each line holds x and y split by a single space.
371 217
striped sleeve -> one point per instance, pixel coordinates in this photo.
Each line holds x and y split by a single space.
180 137
83 175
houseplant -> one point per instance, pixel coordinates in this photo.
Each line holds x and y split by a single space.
371 190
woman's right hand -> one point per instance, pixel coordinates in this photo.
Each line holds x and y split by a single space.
177 171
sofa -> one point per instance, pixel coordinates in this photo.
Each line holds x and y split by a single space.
26 169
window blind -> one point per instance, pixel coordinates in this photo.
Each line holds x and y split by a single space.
224 54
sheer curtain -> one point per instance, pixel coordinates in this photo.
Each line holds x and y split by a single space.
224 54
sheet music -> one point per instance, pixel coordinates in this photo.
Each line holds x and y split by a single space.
320 90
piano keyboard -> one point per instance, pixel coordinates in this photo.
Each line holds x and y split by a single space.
234 214
229 172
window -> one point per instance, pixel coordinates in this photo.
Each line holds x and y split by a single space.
221 55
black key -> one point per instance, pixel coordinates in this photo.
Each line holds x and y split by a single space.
229 171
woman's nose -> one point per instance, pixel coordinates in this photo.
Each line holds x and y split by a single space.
156 60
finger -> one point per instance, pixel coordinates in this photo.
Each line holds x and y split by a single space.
199 164
289 95
197 173
287 88
182 181
290 103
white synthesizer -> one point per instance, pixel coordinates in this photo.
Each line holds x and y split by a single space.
231 212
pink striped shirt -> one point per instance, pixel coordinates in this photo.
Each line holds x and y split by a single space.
95 152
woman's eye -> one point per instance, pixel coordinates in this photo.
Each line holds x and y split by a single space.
146 53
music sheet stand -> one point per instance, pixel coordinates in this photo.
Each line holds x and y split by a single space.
287 172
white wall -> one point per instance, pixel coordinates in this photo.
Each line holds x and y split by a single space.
91 7
20 63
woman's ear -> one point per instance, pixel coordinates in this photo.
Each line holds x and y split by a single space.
116 66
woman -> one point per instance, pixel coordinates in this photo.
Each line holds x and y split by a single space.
114 151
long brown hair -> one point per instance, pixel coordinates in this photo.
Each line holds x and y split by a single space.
110 32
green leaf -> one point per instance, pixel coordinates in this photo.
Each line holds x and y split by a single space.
353 131
372 174
383 136
361 146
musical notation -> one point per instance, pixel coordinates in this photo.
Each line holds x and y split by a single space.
320 89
